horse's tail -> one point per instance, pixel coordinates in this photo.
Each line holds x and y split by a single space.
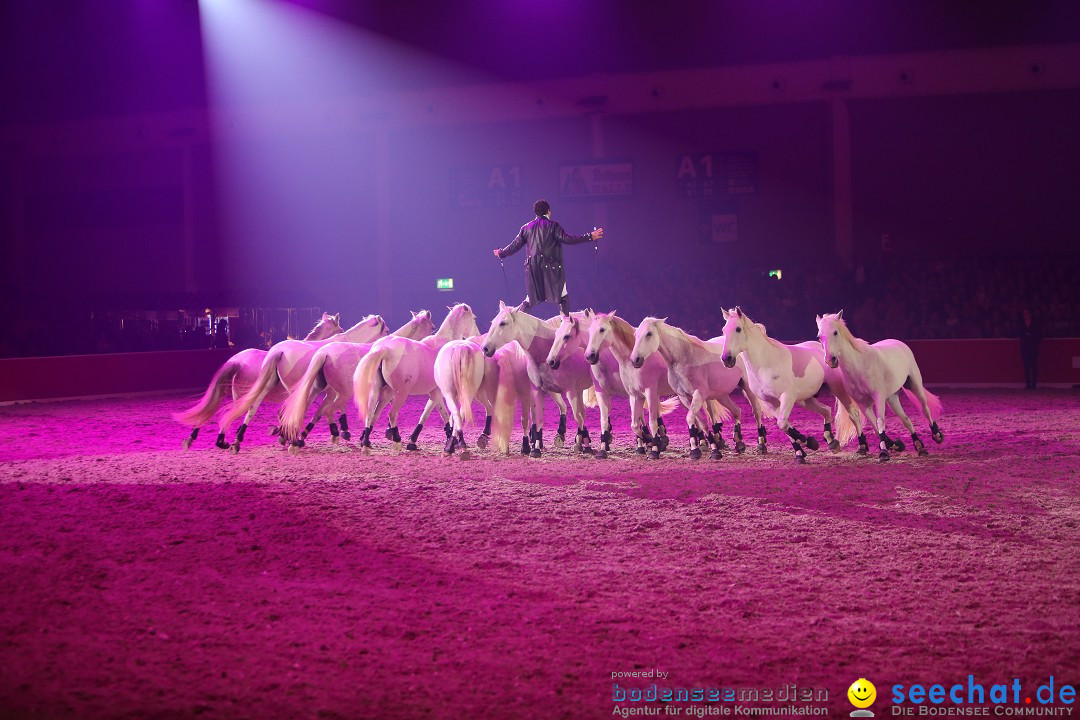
368 383
670 405
718 411
588 396
505 400
267 373
200 413
845 426
932 401
295 408
465 358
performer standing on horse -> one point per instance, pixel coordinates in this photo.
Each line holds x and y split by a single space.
544 238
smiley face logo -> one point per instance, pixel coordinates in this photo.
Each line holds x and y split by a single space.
862 693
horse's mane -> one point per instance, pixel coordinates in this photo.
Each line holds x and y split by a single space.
363 321
622 332
683 335
859 344
455 312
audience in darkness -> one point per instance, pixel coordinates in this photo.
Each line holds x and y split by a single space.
982 298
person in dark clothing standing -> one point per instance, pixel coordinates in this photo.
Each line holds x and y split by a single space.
1030 336
543 239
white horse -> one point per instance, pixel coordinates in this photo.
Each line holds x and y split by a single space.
463 374
697 373
239 373
784 376
571 377
397 367
331 369
610 380
874 375
285 364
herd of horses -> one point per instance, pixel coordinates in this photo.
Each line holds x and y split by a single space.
581 359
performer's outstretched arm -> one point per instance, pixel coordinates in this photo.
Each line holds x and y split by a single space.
567 239
515 245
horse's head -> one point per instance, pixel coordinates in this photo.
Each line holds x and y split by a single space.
461 321
600 330
828 326
646 340
567 339
419 326
736 327
328 325
503 329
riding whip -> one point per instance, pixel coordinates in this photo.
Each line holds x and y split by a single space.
506 283
596 257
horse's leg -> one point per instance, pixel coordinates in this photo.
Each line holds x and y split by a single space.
560 434
582 440
914 384
783 413
639 428
536 432
659 440
239 438
812 403
456 424
696 436
755 406
884 443
603 400
428 407
369 422
736 419
894 403
528 414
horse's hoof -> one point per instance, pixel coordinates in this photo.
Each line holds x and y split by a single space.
366 449
234 448
346 435
389 434
465 455
640 450
762 450
800 458
535 453
222 444
397 446
482 442
601 454
335 439
301 442
923 452
834 445
939 437
294 448
655 455
862 451
586 450
187 443
722 444
450 446
812 443
715 455
740 447
662 442
695 454
560 440
898 446
883 456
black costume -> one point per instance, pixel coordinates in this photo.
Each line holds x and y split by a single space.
1030 337
544 277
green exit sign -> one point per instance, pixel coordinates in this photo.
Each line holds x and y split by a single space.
444 284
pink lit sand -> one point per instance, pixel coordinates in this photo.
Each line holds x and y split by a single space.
138 580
